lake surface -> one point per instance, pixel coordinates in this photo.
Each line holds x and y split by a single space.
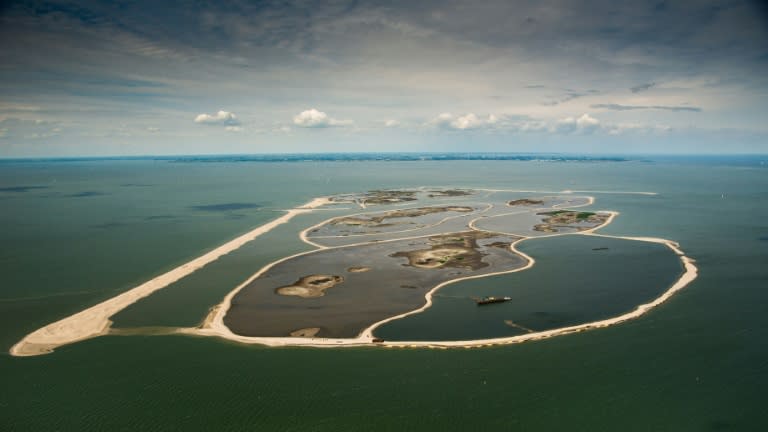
77 232
572 283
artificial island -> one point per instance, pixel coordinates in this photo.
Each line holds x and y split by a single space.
380 258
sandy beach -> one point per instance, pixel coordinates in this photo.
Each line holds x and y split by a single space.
94 321
568 191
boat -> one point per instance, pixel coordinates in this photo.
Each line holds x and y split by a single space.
489 300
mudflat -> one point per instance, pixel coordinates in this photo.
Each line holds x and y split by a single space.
399 275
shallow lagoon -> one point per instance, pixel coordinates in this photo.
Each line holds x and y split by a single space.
571 283
389 288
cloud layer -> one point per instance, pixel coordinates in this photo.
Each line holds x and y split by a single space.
618 107
467 121
222 117
584 124
313 118
109 75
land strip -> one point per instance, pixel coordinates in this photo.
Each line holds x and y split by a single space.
94 321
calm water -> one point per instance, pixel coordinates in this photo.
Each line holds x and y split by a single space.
570 284
93 229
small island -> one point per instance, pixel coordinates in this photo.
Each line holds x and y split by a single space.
358 269
459 250
449 193
310 286
562 220
524 202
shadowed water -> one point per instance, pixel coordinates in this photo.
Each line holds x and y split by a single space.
577 279
390 287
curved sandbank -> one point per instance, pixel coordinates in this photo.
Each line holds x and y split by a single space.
94 321
577 279
569 191
690 273
214 322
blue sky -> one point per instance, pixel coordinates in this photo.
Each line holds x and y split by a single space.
197 77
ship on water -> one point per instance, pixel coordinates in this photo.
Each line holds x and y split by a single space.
491 299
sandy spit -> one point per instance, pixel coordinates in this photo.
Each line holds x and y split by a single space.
94 321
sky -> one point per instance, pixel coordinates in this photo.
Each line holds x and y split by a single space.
98 78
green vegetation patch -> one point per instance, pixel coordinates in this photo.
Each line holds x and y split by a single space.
579 215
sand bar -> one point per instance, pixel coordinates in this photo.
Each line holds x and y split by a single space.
94 321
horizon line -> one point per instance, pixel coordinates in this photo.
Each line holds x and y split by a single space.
586 156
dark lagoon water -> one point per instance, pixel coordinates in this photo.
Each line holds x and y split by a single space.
571 284
77 232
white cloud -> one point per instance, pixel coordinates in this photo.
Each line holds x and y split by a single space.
391 123
233 129
443 120
220 118
313 118
464 122
153 129
585 124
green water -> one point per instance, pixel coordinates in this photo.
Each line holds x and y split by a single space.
698 362
186 302
570 284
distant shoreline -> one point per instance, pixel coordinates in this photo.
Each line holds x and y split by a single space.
339 157
737 158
